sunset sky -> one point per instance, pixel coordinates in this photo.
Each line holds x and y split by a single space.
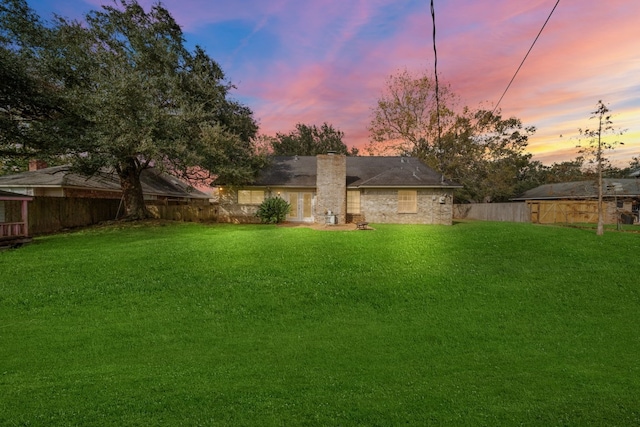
317 61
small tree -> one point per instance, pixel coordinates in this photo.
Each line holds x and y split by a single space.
273 210
594 147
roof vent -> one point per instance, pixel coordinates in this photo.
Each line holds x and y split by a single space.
331 152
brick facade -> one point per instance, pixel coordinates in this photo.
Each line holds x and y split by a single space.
331 187
381 206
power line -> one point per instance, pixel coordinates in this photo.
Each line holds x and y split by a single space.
435 54
525 57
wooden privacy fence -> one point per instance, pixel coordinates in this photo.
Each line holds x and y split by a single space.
570 211
183 211
510 212
51 214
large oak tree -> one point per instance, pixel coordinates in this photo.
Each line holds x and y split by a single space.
139 98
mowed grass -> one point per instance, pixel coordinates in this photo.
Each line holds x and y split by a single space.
250 325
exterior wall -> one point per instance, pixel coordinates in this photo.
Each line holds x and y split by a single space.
48 192
230 211
381 206
86 193
331 185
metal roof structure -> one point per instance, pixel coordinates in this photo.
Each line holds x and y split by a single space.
583 190
153 182
362 172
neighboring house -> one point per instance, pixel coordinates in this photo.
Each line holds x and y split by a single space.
577 202
337 189
14 224
63 198
61 181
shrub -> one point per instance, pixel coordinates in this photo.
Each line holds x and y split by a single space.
273 210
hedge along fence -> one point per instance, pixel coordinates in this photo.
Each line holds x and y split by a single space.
51 214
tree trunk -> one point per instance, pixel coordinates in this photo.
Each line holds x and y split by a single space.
134 205
600 228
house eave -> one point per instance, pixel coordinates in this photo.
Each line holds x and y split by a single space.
593 197
442 187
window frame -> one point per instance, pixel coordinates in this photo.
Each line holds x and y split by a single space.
351 202
407 201
254 197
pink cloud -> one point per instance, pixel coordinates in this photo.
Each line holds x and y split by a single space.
332 61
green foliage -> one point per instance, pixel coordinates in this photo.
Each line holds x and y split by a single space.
138 97
310 141
404 120
594 141
273 210
244 325
479 149
34 116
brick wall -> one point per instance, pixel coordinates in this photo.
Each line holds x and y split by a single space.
381 205
230 211
331 187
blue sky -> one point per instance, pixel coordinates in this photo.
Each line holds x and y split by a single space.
327 60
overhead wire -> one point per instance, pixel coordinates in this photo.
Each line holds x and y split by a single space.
525 57
435 54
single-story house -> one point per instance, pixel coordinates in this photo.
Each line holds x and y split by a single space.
61 181
14 223
63 198
577 202
338 189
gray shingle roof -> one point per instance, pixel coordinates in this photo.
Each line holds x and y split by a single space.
583 190
362 172
153 182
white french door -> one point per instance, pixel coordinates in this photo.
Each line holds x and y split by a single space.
301 206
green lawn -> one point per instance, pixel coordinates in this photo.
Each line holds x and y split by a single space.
248 325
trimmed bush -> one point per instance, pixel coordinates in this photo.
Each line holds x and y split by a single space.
273 210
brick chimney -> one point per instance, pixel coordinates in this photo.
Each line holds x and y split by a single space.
331 187
35 165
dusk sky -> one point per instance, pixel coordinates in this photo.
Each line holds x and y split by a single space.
317 61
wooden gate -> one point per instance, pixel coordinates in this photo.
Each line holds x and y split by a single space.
564 211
